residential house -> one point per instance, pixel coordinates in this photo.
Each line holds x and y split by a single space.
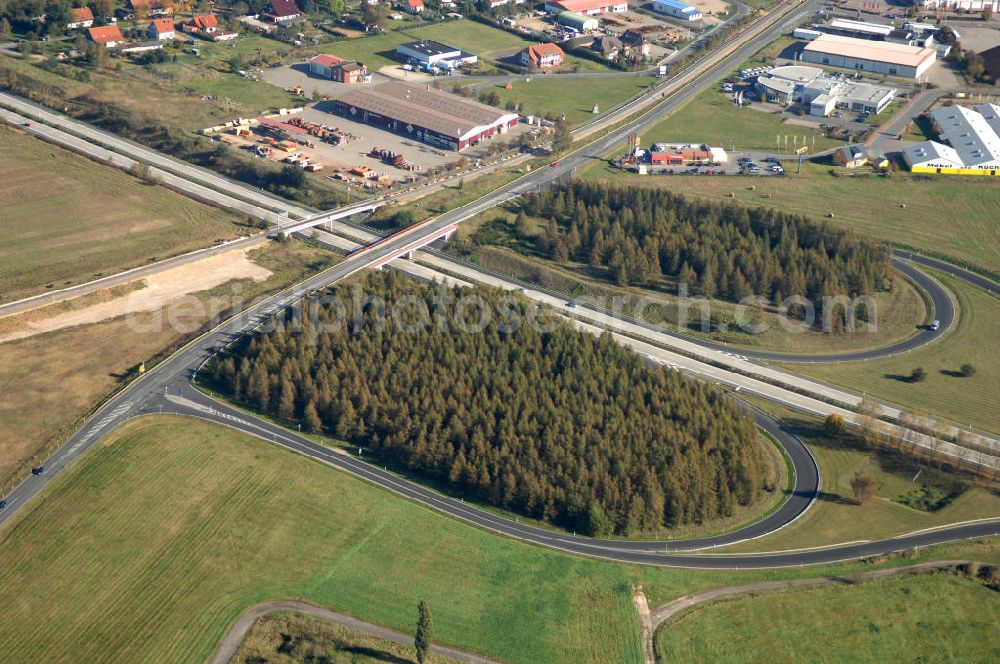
609 47
542 56
161 29
414 6
108 35
81 17
207 27
151 8
851 156
636 43
282 11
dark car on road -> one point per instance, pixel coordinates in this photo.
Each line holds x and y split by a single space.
3 504
40 470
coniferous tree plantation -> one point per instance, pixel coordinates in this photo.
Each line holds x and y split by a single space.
551 423
719 250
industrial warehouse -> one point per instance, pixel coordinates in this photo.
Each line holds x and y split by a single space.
432 116
820 94
872 56
973 142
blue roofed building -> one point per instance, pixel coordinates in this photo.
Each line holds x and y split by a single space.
676 9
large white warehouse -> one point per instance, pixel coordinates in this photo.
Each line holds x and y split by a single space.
871 56
973 142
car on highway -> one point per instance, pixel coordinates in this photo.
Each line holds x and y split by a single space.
27 124
3 504
39 470
555 163
934 326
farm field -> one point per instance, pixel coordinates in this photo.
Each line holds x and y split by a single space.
188 523
936 617
49 382
836 516
98 219
972 401
902 209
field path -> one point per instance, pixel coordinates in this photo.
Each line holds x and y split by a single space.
232 639
681 604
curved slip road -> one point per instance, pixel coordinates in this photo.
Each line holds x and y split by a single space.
232 639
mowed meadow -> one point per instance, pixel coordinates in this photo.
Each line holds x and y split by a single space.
159 538
99 220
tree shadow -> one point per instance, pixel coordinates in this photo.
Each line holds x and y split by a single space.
902 378
373 653
952 374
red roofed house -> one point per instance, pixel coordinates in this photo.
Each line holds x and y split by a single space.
335 69
542 55
109 35
280 11
207 27
161 29
82 18
415 6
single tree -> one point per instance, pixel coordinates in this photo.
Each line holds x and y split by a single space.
425 631
967 370
863 487
834 425
564 138
918 375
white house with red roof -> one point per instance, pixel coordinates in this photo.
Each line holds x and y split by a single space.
162 29
207 27
414 6
81 17
542 55
280 11
108 35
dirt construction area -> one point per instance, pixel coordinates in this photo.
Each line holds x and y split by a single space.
144 295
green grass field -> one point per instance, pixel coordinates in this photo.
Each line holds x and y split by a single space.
836 517
971 401
934 618
67 219
712 118
573 96
905 209
149 547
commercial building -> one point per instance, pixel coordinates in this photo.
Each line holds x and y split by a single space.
578 22
432 53
335 69
959 5
858 29
973 142
685 154
676 9
586 7
542 56
439 118
820 94
870 56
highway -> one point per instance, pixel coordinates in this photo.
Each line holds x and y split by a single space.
167 388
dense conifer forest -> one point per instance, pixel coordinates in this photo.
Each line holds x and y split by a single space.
719 250
551 423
